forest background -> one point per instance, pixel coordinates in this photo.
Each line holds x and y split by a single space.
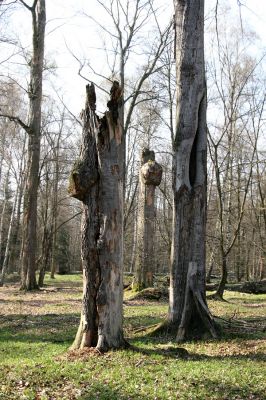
81 46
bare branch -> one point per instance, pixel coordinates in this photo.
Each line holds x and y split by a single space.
18 121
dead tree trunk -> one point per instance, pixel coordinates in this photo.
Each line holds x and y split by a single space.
150 176
84 185
97 180
188 309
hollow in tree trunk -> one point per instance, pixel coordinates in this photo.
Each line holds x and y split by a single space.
188 310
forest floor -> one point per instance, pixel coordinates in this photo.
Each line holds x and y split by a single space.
36 330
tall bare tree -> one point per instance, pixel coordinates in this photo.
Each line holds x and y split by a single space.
28 266
33 128
188 309
233 139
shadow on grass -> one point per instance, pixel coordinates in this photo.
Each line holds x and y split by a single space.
62 284
217 389
40 302
61 328
195 387
181 353
53 328
133 324
139 321
244 301
103 392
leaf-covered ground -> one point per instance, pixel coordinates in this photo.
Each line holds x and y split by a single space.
36 330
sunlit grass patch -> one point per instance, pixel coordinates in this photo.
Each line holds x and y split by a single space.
36 331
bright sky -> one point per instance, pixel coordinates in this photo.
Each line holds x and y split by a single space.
83 37
68 29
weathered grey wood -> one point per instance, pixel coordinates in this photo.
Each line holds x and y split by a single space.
189 172
97 180
110 147
150 176
195 297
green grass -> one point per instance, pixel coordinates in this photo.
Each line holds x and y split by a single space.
36 330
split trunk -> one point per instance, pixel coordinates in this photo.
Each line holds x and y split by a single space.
97 180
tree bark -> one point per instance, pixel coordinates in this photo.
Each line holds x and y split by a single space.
111 148
97 180
188 309
4 206
150 176
14 258
8 242
221 287
55 203
28 270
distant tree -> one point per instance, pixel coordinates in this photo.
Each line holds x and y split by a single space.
28 266
237 91
62 251
150 176
33 128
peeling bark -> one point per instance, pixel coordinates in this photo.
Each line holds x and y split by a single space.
97 181
84 185
110 147
150 176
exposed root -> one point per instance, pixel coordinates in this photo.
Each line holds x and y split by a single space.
196 320
144 328
103 348
216 297
237 326
163 328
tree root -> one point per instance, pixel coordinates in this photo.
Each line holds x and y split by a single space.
216 297
163 328
237 326
196 320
